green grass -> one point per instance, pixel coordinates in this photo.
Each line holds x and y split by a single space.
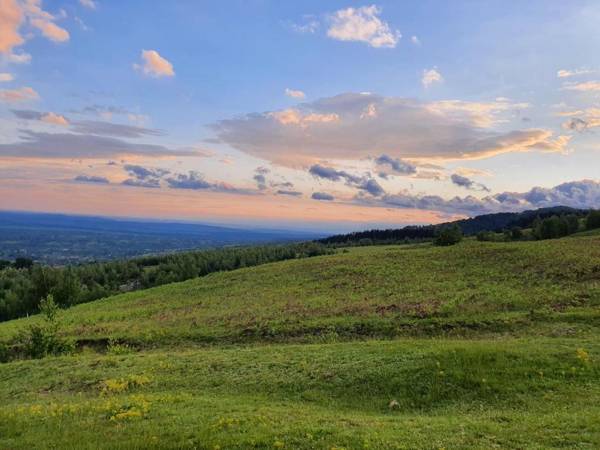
480 345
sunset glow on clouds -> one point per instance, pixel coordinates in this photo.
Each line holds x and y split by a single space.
308 114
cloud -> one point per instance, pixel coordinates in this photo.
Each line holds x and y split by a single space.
55 119
44 21
195 181
90 4
296 117
14 15
576 194
155 65
431 76
144 173
310 25
50 30
335 128
289 193
135 182
572 73
114 129
18 58
589 118
362 25
363 183
467 183
11 17
415 40
294 93
68 145
4 77
586 86
91 179
322 196
18 95
49 117
397 166
261 181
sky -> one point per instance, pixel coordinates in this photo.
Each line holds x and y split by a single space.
334 115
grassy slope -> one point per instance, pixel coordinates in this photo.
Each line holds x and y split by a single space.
502 368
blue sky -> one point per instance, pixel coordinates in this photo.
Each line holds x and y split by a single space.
418 110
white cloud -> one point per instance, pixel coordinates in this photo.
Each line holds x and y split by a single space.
18 95
415 40
355 126
19 58
310 25
4 77
362 25
294 93
91 4
155 65
563 73
431 76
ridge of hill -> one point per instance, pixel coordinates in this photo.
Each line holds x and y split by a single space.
495 222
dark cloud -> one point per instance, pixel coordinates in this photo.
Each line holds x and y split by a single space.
363 183
27 114
576 194
398 166
68 145
193 181
91 179
136 182
322 196
467 183
143 173
261 181
576 124
332 174
290 193
96 127
371 186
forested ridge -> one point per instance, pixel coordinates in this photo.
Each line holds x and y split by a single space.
23 283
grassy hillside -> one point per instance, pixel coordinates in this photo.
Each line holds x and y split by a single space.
480 345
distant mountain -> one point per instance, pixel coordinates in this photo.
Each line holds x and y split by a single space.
471 226
62 239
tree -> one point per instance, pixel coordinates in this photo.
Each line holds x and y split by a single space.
516 233
593 220
448 236
23 263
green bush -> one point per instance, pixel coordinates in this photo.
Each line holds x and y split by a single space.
448 236
43 339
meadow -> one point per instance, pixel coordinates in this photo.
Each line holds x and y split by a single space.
478 345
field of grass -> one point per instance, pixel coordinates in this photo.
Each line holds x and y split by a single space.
481 345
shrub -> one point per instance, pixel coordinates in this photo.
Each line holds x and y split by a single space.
40 340
448 236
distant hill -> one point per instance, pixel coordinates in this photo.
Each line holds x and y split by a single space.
65 239
471 226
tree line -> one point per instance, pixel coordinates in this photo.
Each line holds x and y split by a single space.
23 284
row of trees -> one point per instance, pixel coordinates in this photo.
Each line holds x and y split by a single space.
22 288
551 227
